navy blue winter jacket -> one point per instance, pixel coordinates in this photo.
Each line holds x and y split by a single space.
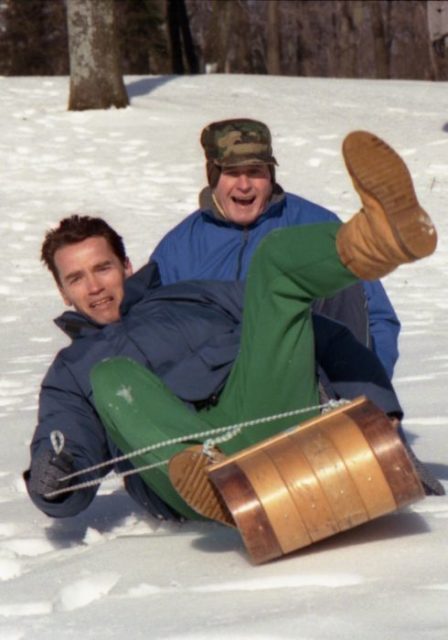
204 246
189 335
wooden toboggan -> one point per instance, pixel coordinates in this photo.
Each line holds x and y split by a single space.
325 476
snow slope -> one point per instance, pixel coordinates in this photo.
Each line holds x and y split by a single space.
112 572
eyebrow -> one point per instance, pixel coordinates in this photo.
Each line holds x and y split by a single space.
98 265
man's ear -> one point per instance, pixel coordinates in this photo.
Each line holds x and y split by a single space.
64 297
128 269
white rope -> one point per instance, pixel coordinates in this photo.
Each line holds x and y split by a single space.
93 483
229 432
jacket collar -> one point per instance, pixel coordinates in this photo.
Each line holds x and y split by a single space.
76 325
208 207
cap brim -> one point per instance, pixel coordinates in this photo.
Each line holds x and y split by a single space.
244 162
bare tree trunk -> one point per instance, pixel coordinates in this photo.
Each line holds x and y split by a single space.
228 37
409 40
381 44
437 15
173 19
273 40
348 18
187 38
181 40
95 75
240 45
33 38
217 47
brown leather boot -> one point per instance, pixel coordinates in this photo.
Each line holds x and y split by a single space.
391 228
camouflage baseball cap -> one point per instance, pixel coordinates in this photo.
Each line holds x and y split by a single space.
240 141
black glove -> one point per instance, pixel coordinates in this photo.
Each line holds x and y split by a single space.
431 485
47 470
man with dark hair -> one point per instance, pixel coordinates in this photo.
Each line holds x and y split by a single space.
101 249
76 229
241 205
137 345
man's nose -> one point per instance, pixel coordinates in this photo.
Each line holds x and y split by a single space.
243 182
93 283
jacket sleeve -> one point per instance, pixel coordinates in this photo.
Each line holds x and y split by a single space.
384 325
65 408
177 253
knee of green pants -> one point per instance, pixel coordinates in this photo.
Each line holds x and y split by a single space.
305 255
126 395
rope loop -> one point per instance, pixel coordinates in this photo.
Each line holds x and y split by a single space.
211 441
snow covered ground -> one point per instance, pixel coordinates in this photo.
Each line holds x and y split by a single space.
112 572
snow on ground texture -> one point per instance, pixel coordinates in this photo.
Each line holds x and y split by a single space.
112 572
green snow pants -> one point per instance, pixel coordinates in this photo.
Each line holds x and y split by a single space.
274 372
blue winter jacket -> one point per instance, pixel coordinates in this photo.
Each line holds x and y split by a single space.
189 335
204 246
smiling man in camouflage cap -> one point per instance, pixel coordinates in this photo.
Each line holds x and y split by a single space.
240 167
241 205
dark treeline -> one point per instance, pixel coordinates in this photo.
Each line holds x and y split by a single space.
337 38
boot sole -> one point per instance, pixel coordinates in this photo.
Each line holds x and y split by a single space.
379 172
188 474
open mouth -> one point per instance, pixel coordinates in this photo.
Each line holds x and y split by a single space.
244 202
101 303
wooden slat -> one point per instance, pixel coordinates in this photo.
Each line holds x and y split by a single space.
362 465
251 519
276 500
304 488
398 470
331 472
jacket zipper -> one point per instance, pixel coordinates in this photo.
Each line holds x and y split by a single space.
368 340
239 265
